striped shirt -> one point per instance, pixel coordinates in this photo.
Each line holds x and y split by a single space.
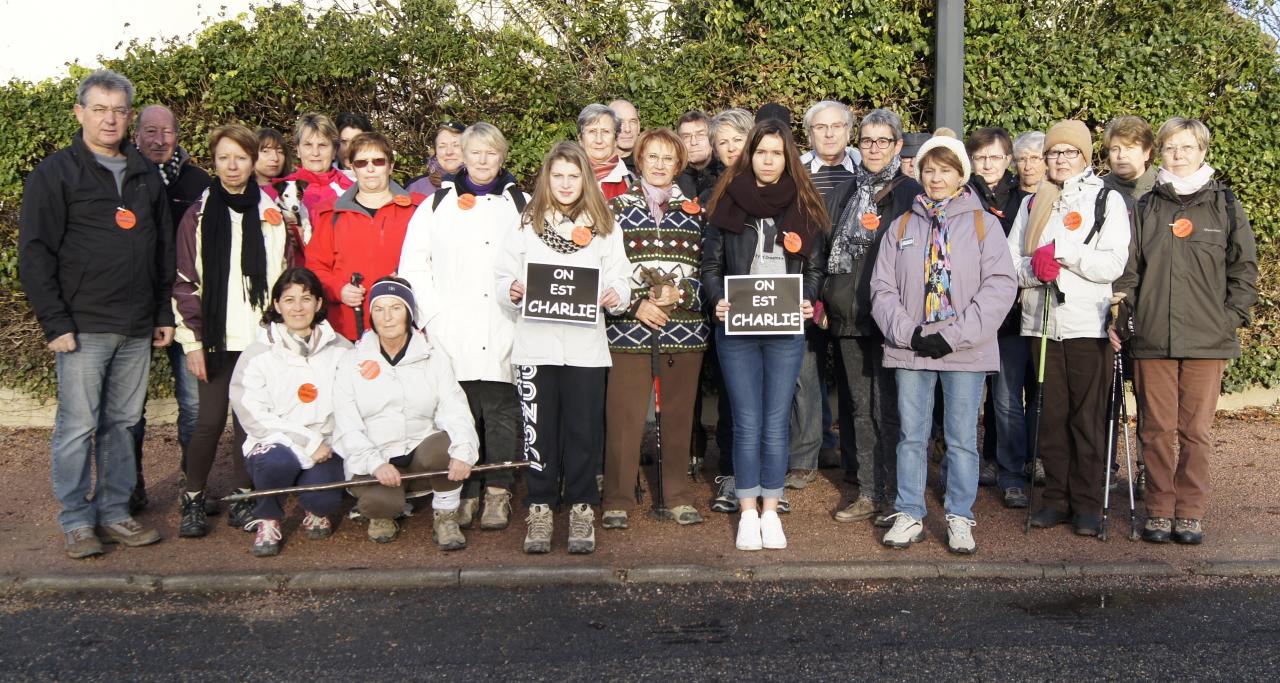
827 178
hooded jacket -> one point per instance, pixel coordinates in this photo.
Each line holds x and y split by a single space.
282 397
982 289
383 411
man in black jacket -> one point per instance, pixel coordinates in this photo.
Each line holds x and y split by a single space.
96 260
699 177
157 138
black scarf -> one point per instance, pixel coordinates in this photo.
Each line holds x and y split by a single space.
743 200
215 258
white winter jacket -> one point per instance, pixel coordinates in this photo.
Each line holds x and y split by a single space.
283 397
545 342
383 411
448 256
1087 270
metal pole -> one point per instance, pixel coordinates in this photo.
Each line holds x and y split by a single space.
948 105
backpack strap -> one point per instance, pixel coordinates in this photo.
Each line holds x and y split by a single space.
1231 208
889 188
517 197
1099 213
902 225
439 196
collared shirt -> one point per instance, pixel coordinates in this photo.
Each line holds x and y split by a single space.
826 178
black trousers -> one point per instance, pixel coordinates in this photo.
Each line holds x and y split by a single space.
495 407
1073 424
563 410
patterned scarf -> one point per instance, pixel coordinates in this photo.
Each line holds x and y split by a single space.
602 169
937 260
851 241
169 169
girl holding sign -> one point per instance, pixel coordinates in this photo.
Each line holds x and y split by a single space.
561 365
766 219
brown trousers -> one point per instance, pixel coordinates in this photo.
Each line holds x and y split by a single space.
627 404
1073 423
1178 398
376 501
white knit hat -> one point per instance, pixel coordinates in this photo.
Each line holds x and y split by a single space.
952 144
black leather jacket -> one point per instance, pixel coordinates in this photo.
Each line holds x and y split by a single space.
724 253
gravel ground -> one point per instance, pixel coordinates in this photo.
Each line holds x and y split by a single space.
1241 524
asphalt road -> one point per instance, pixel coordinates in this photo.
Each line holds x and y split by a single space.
1098 629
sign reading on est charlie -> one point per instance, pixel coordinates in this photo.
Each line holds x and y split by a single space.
763 304
567 294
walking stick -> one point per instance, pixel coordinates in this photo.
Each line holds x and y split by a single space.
1039 405
1117 387
356 279
660 510
1128 454
509 465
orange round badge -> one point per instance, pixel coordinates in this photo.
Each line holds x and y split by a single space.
307 393
792 242
691 207
370 369
581 236
870 221
125 219
401 200
1182 228
1072 220
272 216
466 202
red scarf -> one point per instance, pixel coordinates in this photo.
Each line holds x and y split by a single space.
318 192
602 169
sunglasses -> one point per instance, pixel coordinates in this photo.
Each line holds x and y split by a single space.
361 163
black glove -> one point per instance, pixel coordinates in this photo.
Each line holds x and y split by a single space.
932 346
1124 320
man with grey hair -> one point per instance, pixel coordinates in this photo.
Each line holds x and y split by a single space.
157 138
96 259
628 131
829 127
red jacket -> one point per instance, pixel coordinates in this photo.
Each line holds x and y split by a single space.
346 240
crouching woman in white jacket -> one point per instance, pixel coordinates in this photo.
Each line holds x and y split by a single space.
399 410
282 393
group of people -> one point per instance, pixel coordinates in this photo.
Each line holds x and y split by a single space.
363 330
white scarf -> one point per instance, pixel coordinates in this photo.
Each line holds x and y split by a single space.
1188 185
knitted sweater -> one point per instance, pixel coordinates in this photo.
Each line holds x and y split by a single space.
674 245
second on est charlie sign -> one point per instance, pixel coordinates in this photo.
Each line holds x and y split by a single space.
763 304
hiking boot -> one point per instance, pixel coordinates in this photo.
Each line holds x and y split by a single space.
138 499
858 510
798 479
445 531
987 473
497 510
960 535
1157 530
582 529
318 528
1015 497
771 535
1087 525
749 531
467 512
1047 518
383 530
82 543
267 542
540 523
614 519
1187 531
128 532
726 499
240 513
686 515
194 522
784 505
906 530
882 521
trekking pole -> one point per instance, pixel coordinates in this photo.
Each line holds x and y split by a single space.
509 465
1039 405
1128 454
660 510
1117 386
356 279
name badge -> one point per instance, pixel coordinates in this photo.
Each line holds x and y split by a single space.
906 242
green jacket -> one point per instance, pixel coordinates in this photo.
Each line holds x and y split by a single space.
1190 294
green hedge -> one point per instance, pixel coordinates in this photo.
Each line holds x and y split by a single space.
1029 63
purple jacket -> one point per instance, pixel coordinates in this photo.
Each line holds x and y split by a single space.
982 289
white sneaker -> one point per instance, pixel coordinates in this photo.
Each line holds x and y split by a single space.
771 535
906 530
959 536
749 531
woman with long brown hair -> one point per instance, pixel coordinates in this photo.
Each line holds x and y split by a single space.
766 218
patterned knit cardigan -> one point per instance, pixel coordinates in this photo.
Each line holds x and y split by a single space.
673 246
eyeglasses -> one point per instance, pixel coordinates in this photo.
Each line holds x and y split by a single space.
1068 154
1028 158
655 160
822 128
878 143
990 158
101 111
361 163
1182 150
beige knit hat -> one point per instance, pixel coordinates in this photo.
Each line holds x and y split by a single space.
1070 132
950 143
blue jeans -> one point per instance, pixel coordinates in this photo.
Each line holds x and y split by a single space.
1011 417
184 390
760 373
102 386
962 397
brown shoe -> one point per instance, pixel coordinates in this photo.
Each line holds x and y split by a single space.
497 510
445 531
467 512
128 532
82 543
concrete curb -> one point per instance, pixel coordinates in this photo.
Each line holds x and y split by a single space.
533 577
